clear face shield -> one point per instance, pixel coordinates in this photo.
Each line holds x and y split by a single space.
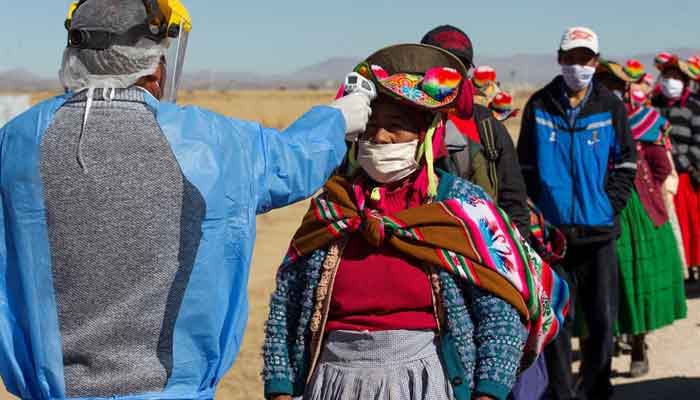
179 26
174 65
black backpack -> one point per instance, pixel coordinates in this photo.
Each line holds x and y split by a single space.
459 160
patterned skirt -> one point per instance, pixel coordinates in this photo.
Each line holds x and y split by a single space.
391 365
652 292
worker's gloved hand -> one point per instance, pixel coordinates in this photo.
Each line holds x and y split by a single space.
356 111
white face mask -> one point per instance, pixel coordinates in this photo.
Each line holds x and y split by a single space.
577 77
387 163
672 88
638 98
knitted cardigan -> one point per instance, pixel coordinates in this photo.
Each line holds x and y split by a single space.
481 342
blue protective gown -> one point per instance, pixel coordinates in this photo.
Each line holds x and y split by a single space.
241 170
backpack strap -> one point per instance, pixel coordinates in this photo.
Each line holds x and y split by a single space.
488 142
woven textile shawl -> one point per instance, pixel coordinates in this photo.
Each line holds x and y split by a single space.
648 125
471 238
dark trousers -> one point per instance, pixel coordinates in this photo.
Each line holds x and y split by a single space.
592 274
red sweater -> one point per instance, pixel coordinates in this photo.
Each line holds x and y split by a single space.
378 289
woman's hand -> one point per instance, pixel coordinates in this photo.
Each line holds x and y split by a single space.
284 397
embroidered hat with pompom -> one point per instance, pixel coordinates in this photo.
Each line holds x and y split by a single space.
422 76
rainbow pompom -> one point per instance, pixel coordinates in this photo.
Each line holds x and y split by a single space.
484 75
502 102
440 83
634 69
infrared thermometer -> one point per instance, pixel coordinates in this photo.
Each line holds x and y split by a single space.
356 83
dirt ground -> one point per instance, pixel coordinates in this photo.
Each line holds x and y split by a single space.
675 351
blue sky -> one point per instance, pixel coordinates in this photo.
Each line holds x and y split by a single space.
281 36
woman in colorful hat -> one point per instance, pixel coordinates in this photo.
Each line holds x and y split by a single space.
404 282
681 107
640 95
652 290
645 89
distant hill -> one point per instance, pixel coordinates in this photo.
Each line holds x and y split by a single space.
533 69
324 74
21 80
331 69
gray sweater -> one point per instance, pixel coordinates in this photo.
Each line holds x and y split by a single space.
124 227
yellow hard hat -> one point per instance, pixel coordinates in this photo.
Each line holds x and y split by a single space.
171 14
175 14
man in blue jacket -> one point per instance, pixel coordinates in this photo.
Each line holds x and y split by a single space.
128 223
579 164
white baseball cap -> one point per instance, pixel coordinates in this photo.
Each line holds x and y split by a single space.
580 36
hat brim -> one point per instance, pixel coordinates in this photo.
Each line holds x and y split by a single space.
579 45
617 71
413 59
685 68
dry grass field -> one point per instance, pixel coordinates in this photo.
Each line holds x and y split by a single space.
675 352
273 108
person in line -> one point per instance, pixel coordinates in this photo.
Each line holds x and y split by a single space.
641 95
579 164
681 107
651 281
403 281
497 145
128 222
